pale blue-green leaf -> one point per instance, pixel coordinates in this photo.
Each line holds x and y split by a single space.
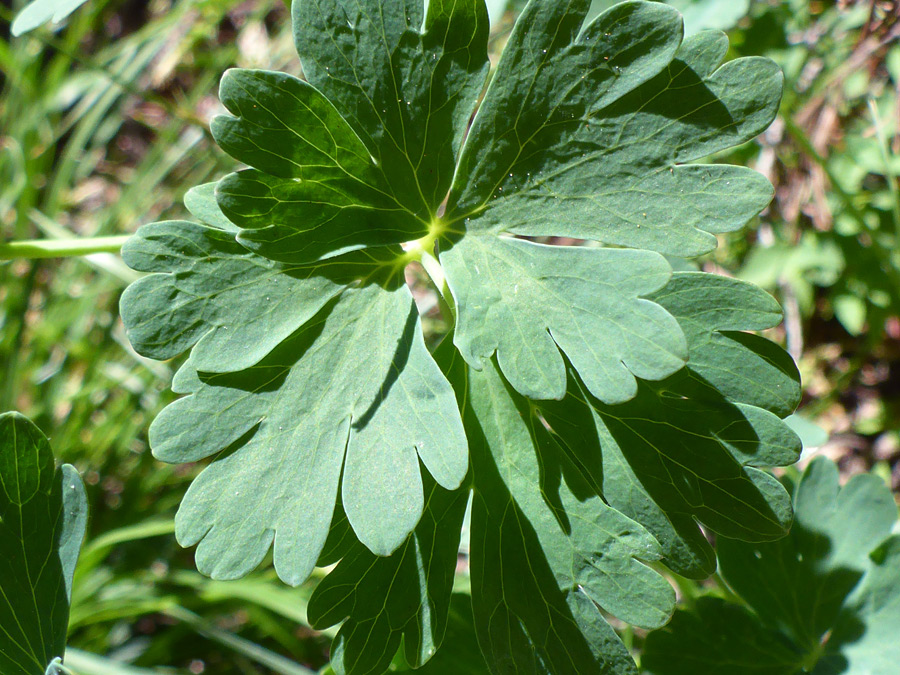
800 583
698 15
313 190
682 449
823 600
201 202
526 302
40 12
601 124
713 311
545 550
355 388
209 291
864 638
717 637
407 79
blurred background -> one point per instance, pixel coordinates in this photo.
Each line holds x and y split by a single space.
103 127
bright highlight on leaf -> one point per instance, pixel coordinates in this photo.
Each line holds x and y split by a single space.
602 405
39 12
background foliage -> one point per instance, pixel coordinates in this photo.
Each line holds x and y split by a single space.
105 122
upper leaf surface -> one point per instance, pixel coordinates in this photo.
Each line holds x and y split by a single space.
545 550
363 153
405 596
713 311
825 599
583 133
719 637
407 83
349 391
864 639
314 190
682 450
809 574
43 513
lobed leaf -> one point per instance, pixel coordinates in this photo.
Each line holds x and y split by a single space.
584 132
684 450
342 394
309 383
546 552
412 608
809 574
824 600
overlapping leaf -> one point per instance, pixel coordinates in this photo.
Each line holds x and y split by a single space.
313 369
347 391
825 599
546 551
413 600
585 133
684 450
43 513
309 380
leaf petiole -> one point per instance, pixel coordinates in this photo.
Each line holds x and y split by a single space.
61 248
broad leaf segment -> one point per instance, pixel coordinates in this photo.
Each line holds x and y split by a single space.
596 405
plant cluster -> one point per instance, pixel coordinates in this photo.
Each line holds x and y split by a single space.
593 413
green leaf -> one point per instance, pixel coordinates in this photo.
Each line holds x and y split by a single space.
404 597
598 130
341 393
698 15
464 656
719 637
43 513
527 301
345 160
406 83
684 450
811 572
309 384
40 12
864 639
825 599
546 552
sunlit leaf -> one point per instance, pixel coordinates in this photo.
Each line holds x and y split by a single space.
43 513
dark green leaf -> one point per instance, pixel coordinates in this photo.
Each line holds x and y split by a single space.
719 637
824 600
405 596
684 450
590 141
800 583
309 382
43 513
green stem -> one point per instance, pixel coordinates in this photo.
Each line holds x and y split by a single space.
61 248
729 594
445 298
